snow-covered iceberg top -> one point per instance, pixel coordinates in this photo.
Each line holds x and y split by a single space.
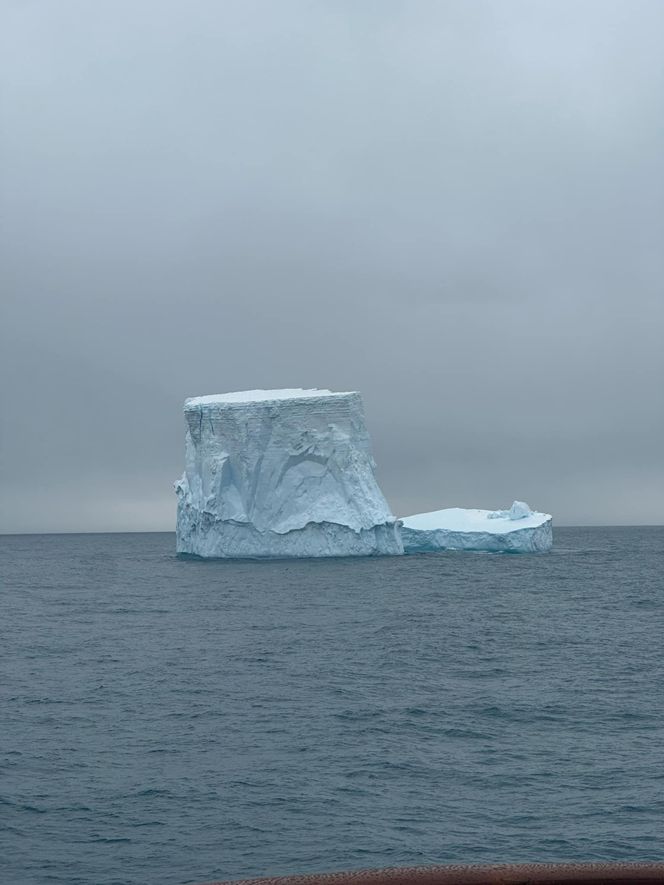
280 473
243 397
496 522
517 530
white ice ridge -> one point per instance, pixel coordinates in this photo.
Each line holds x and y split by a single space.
517 530
258 396
280 473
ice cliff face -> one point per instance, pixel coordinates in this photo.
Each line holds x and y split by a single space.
517 530
273 473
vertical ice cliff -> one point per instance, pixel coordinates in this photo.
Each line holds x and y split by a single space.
280 473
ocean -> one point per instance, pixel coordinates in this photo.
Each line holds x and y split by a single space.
168 721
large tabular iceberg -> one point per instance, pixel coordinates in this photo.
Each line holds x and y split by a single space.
517 530
280 473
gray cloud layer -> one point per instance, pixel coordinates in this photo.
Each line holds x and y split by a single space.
455 207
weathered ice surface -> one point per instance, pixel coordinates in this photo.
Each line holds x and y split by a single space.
273 473
517 530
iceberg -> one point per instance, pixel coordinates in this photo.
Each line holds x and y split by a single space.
280 473
517 530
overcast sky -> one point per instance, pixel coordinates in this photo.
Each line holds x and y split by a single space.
455 207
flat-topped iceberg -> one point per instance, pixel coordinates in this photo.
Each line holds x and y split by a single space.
280 473
517 530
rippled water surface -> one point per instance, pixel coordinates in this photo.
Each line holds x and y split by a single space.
179 721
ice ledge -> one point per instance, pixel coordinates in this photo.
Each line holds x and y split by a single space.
517 530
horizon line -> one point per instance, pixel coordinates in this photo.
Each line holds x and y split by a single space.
586 525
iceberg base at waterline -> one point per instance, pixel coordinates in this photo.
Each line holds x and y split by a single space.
517 530
202 536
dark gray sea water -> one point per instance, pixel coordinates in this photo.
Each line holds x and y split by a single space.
167 721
